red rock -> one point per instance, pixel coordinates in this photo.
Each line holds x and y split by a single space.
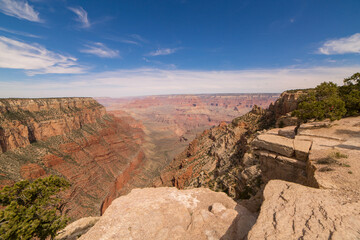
32 171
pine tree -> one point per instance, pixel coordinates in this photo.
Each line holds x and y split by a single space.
31 209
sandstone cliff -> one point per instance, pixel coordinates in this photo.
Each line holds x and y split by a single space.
73 138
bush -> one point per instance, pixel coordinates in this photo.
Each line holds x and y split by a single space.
350 93
324 102
32 209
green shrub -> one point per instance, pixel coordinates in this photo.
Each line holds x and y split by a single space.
32 209
350 93
324 102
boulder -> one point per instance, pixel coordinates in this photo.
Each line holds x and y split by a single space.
169 213
292 211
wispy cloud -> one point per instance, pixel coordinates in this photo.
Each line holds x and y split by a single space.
100 50
163 51
341 45
19 9
133 39
155 81
34 58
24 34
122 40
82 16
138 37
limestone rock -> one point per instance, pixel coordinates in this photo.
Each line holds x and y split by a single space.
276 144
292 211
302 149
77 228
280 167
168 213
288 132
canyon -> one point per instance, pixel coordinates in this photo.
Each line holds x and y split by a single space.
259 175
104 153
74 138
298 182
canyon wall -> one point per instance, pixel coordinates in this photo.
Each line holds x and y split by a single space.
221 158
294 182
186 115
74 138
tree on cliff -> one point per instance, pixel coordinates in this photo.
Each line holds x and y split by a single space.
350 93
323 102
32 209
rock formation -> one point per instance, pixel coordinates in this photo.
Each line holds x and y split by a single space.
237 159
222 158
292 211
168 213
74 138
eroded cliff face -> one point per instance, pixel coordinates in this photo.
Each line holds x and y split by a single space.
73 138
310 172
24 121
220 158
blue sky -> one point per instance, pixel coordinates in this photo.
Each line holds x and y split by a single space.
130 48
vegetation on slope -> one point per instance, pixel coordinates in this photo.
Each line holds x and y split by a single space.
32 209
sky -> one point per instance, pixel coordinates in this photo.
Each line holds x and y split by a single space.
56 48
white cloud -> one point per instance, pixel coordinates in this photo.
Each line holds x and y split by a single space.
152 81
100 50
82 16
341 46
19 9
163 51
34 58
19 33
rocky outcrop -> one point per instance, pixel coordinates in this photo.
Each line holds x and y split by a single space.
168 213
23 121
293 211
76 139
213 159
310 173
74 230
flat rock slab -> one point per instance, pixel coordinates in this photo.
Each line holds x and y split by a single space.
302 149
292 211
288 132
273 143
168 213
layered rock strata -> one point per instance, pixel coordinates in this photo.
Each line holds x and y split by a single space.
23 121
213 159
73 138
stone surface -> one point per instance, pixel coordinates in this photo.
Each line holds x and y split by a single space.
168 213
302 149
292 211
74 230
288 132
276 144
275 166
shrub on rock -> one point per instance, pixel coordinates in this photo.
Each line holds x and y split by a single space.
32 209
